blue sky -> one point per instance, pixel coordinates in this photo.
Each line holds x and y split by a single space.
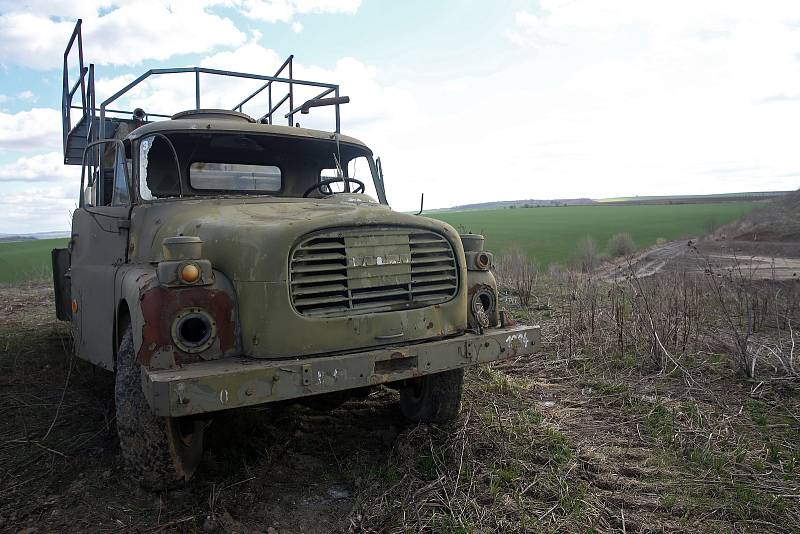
466 101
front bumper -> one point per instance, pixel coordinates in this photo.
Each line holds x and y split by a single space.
236 382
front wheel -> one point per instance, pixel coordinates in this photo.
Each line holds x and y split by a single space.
161 452
433 398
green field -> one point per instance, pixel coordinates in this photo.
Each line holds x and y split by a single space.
27 260
549 235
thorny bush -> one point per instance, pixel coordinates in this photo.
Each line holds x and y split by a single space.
674 317
519 274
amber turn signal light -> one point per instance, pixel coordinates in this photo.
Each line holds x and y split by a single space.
190 273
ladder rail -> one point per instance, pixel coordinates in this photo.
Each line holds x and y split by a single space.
68 93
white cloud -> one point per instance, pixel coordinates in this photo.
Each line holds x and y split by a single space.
285 10
36 209
27 96
599 99
48 167
627 97
36 129
128 32
60 8
132 32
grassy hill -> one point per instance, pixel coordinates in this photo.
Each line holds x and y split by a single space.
549 235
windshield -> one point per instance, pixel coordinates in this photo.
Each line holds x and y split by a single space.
246 164
235 177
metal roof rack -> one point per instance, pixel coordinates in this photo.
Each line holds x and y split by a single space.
95 123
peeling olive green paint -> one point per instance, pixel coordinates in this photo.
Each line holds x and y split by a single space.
250 241
238 382
264 349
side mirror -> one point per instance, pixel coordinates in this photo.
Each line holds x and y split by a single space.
381 184
380 169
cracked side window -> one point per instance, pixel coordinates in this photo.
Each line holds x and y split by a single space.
144 151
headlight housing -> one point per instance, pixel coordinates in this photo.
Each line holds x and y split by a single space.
182 264
193 330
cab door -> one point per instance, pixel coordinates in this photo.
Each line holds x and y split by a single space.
98 248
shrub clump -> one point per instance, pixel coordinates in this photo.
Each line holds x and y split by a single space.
587 256
620 245
517 272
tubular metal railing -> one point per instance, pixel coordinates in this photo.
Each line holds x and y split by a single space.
96 129
69 93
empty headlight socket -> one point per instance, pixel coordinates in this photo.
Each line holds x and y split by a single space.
193 330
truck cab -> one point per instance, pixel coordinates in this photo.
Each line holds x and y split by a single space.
218 261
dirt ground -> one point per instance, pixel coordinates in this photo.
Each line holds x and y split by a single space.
543 444
756 260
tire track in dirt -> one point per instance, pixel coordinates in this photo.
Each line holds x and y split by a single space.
624 487
699 256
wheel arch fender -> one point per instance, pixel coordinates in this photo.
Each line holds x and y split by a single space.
153 307
131 283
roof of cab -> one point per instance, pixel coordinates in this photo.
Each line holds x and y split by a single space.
234 125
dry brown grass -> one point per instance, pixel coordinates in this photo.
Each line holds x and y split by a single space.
636 417
498 469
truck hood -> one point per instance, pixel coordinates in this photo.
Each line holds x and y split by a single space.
250 239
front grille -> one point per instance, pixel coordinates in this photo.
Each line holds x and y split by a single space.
348 272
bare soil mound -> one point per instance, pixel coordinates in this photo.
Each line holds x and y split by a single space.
777 221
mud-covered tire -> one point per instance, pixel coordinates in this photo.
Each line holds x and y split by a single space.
160 452
433 398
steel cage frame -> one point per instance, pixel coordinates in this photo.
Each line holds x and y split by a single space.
328 89
88 106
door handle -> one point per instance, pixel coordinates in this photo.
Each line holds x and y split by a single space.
390 336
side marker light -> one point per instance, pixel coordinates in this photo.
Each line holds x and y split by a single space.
190 273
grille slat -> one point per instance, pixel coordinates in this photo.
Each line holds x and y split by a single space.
321 257
434 278
318 279
432 250
431 269
317 268
320 300
316 290
358 270
431 289
431 259
380 294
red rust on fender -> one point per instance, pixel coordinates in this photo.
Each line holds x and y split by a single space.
160 305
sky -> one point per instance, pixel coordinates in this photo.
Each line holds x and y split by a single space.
465 101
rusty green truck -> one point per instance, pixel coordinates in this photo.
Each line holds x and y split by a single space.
219 261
